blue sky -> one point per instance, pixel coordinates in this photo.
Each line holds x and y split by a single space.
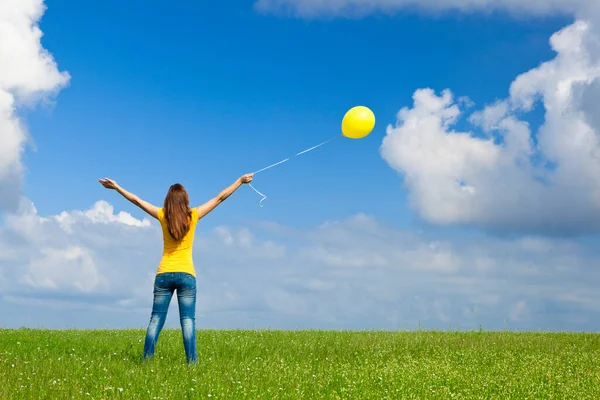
239 90
372 233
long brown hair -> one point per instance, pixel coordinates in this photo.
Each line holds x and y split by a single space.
177 211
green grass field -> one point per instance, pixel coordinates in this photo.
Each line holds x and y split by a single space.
38 364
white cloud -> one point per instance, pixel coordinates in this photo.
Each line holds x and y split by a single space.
101 213
28 74
355 273
354 8
503 179
72 268
231 240
65 253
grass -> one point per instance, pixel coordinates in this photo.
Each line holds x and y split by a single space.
40 364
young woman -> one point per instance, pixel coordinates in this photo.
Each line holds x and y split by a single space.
176 269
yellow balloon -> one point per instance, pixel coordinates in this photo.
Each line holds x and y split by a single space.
358 122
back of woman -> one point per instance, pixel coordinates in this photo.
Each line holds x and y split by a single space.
178 223
176 272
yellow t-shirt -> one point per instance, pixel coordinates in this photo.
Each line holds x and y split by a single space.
177 254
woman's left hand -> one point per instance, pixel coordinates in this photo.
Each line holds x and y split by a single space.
108 183
245 179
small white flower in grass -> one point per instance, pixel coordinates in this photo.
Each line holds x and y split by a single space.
209 395
120 389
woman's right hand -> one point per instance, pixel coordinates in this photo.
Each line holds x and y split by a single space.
247 178
108 183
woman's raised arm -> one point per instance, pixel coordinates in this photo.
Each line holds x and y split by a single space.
152 210
221 197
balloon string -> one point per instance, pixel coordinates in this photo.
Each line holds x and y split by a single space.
297 154
286 160
259 193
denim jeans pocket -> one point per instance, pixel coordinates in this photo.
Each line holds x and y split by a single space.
186 280
161 281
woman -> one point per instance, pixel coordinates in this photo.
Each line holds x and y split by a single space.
176 269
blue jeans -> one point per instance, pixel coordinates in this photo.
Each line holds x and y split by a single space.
164 286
